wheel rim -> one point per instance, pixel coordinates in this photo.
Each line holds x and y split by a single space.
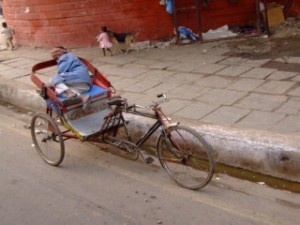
47 139
192 169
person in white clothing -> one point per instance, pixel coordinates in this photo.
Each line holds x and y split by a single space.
7 34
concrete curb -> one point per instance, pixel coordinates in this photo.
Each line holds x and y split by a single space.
21 95
258 151
273 154
263 152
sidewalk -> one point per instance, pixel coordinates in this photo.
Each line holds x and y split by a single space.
249 113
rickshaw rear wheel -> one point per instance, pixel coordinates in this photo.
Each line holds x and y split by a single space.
47 139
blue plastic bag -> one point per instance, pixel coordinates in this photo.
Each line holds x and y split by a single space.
187 33
169 7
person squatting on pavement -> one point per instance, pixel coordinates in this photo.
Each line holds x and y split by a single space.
73 77
7 33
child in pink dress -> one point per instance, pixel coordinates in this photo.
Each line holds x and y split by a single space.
104 42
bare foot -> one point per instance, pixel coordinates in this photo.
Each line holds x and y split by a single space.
71 94
86 100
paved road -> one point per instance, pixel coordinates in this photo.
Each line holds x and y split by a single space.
95 187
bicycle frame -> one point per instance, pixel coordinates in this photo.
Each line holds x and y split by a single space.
116 119
161 121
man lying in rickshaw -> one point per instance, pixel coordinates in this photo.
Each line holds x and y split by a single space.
72 78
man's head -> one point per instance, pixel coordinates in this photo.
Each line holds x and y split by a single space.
58 52
4 25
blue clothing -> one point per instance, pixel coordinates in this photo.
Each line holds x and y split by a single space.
71 70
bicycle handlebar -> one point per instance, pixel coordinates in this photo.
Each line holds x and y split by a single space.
154 104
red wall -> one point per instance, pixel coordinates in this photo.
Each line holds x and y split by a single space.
221 12
294 9
216 14
75 23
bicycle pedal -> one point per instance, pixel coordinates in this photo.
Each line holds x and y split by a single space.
149 160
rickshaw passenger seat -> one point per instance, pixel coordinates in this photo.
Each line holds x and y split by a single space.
96 93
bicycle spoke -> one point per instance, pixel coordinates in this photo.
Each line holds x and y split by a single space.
47 139
186 157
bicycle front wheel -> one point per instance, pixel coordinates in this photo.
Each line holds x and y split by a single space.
186 157
47 139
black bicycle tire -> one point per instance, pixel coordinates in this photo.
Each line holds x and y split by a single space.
58 134
208 151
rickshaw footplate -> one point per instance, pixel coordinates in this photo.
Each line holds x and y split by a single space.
85 123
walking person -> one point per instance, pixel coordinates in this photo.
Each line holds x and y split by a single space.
104 42
7 34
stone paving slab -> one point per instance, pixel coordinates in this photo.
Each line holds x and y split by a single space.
275 87
163 88
197 110
222 97
206 58
4 67
209 68
174 106
13 73
122 83
187 92
26 80
245 84
20 62
226 115
281 75
261 101
141 87
256 62
183 67
288 59
117 60
125 72
296 78
157 75
190 64
214 82
258 73
291 107
213 50
135 67
295 92
185 78
261 120
234 71
233 61
162 65
290 124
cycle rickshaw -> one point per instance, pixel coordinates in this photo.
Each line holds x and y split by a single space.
181 151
